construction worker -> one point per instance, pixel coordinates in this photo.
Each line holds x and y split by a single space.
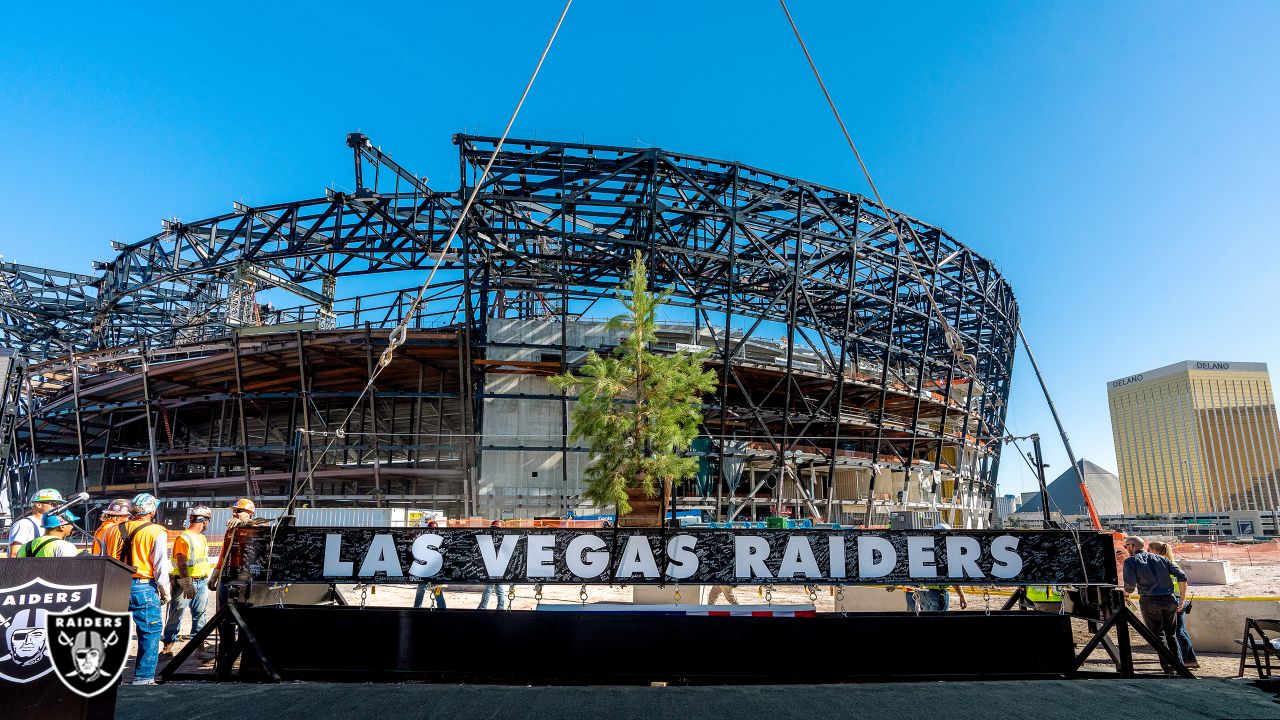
117 512
189 583
145 545
54 542
242 512
28 528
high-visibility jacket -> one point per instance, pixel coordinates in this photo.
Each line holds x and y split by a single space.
195 547
100 546
43 547
1043 593
143 555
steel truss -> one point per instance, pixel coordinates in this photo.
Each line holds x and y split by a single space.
866 376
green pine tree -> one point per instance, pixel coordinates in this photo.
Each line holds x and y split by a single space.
638 410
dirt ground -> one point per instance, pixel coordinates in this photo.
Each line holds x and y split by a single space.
1250 581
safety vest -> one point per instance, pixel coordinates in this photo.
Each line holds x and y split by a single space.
143 544
197 552
41 547
1043 593
100 544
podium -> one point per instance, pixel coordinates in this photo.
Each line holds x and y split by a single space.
32 691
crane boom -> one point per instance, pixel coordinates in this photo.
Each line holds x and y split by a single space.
1066 442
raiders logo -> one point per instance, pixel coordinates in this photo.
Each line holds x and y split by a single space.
23 612
88 648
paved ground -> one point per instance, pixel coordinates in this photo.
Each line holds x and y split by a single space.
1157 699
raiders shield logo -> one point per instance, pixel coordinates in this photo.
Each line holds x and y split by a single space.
23 611
88 648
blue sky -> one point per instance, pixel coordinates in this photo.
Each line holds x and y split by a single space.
1118 161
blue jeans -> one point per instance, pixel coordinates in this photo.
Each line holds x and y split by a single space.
144 603
1184 640
422 593
177 604
498 590
930 601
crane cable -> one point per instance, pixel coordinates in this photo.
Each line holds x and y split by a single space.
952 337
397 336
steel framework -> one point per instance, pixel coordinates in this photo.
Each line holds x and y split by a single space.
864 372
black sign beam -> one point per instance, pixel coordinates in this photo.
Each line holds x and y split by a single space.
652 556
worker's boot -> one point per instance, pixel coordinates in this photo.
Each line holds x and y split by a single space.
167 648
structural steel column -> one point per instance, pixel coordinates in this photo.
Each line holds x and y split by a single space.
244 429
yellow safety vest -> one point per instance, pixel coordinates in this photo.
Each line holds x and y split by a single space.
197 555
1043 593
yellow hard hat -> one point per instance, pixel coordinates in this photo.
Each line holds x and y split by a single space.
245 504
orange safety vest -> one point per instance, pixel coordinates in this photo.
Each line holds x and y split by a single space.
99 546
108 540
144 542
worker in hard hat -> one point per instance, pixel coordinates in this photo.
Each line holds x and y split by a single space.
242 513
117 512
189 583
243 510
28 527
54 543
144 544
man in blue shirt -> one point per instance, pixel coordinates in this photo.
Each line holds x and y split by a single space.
1152 575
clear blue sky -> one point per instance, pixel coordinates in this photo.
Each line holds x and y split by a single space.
1118 161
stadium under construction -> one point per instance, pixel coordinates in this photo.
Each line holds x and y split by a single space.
863 358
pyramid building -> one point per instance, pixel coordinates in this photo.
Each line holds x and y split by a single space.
1065 497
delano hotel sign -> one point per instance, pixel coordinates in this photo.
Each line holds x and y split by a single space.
654 556
1187 366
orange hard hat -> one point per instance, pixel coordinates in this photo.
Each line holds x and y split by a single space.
245 504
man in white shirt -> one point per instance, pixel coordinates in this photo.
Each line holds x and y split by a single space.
27 528
54 543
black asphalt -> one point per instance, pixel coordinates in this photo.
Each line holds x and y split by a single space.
1153 699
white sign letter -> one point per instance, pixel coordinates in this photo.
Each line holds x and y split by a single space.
637 557
1007 561
496 562
920 557
427 561
680 552
586 564
869 548
381 557
837 556
333 567
541 560
798 558
962 556
749 554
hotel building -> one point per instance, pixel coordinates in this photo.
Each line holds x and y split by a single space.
1196 437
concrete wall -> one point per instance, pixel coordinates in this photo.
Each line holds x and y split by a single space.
522 472
1207 572
1215 624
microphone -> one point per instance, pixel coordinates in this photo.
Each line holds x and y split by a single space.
68 502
